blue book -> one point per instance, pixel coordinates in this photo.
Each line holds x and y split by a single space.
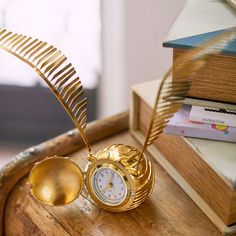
199 21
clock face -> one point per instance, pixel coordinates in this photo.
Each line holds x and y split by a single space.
109 186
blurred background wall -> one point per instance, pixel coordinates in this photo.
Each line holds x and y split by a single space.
29 112
112 44
132 52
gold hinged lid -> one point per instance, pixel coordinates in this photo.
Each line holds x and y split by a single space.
56 181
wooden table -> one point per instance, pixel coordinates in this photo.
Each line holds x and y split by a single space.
169 211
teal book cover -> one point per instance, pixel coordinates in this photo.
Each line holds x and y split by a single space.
200 21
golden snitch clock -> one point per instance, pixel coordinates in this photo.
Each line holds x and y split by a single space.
118 177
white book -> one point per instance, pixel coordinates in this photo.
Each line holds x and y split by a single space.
213 116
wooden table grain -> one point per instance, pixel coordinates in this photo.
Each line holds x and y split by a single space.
169 211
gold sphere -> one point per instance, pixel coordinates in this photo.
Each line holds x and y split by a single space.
56 181
139 175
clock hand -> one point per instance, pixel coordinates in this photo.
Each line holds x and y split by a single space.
112 185
114 190
111 177
109 185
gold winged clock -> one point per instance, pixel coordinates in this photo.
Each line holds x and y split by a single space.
118 177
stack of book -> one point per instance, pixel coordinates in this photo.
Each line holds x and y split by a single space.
198 147
208 122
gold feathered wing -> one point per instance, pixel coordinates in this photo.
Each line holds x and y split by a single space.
55 70
171 93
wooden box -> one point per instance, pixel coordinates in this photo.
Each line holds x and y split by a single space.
208 179
169 211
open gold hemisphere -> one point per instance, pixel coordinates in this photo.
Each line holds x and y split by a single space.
56 181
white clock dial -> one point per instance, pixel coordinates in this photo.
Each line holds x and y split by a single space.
109 186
